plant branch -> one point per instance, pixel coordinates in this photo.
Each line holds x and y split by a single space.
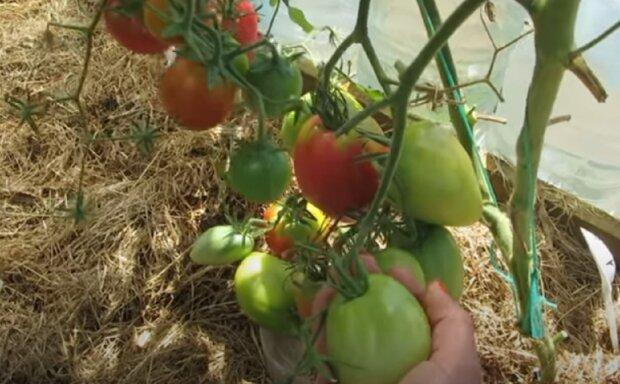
596 40
584 73
364 114
273 18
382 77
356 36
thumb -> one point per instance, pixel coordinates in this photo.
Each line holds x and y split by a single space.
438 304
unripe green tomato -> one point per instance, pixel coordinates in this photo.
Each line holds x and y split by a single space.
292 122
378 337
221 245
259 171
279 81
435 180
264 291
395 257
242 64
440 259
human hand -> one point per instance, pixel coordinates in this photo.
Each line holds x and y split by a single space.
453 356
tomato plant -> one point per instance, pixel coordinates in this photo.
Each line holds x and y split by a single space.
395 257
259 171
435 180
129 30
328 170
242 23
220 245
189 100
263 289
378 337
440 259
279 81
291 226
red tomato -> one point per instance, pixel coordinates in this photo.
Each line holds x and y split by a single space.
130 32
187 98
244 24
328 171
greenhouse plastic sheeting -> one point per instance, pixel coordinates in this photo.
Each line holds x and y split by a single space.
581 156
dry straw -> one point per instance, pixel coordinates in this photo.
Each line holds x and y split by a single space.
117 301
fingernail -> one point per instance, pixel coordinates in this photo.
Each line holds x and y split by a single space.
440 284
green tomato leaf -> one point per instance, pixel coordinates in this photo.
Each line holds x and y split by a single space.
273 3
299 18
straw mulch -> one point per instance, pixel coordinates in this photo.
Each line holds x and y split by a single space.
115 299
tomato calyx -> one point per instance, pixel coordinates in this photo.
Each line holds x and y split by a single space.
331 105
128 8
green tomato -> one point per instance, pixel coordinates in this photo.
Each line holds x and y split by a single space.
435 180
264 291
378 337
221 245
259 171
279 81
395 257
292 122
440 259
242 64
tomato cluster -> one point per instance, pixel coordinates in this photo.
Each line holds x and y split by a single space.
299 244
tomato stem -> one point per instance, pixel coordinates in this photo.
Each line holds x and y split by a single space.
554 24
596 40
356 36
273 18
364 114
88 31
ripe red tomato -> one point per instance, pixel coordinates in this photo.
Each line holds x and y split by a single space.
130 32
243 24
187 98
328 171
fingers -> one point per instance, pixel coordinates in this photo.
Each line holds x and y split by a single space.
453 340
319 304
439 305
322 299
370 262
424 373
405 277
